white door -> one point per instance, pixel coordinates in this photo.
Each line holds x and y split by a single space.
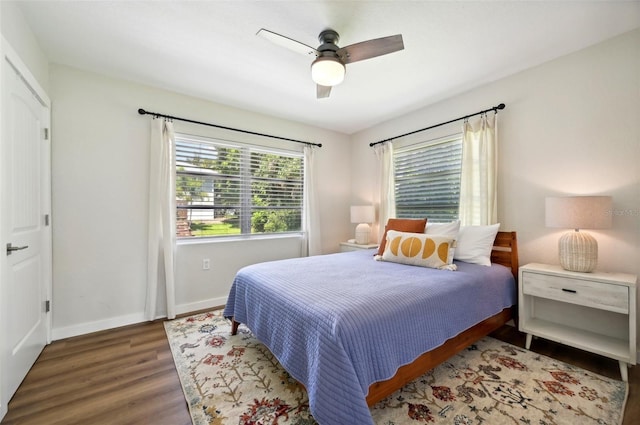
25 233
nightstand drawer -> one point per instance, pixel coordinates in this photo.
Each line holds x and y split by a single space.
600 295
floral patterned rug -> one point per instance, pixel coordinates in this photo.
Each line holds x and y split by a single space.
236 380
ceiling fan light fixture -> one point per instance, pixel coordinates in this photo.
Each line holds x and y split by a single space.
327 71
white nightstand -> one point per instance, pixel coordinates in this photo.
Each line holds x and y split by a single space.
595 312
350 246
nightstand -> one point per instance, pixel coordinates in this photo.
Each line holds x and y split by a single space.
350 246
594 312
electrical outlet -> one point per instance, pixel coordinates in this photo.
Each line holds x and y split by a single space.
206 264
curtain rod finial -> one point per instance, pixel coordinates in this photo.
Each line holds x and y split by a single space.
501 106
142 111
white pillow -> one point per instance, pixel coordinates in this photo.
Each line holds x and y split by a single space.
445 229
475 244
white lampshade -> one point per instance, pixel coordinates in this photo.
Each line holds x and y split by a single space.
363 215
578 251
579 212
327 71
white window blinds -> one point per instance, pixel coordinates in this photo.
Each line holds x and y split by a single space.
427 180
227 189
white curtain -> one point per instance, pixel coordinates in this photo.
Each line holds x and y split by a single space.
162 220
387 208
478 186
312 243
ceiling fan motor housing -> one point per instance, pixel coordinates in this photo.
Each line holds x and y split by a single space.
329 48
329 37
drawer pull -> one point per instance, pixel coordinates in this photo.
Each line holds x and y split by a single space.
573 291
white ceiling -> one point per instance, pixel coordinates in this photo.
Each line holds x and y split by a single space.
209 49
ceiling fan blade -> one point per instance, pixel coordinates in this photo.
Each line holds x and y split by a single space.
287 42
371 48
323 91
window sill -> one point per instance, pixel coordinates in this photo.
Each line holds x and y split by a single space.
246 238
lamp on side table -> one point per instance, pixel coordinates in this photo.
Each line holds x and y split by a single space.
363 215
578 250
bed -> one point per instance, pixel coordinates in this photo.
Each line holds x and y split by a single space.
353 330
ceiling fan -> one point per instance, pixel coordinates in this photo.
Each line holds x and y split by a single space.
328 69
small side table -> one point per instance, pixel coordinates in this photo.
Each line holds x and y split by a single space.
595 312
350 246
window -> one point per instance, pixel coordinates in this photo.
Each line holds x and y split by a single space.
226 189
427 179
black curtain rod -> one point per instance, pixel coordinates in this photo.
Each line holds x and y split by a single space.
494 109
155 114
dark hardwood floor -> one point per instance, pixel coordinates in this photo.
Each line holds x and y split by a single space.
122 376
127 376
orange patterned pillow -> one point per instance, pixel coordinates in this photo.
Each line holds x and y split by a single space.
419 249
411 225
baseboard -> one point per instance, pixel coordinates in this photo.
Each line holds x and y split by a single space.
201 305
98 325
3 408
130 319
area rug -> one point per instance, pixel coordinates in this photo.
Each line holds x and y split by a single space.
236 380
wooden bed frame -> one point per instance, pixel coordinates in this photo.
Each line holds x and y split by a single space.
505 252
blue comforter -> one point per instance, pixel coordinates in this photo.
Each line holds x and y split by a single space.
340 322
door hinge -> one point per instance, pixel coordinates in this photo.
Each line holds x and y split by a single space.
46 134
47 306
46 219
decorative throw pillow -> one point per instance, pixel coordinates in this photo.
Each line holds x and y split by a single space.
402 225
445 229
475 244
418 249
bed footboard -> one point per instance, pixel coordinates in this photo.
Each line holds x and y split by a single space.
431 359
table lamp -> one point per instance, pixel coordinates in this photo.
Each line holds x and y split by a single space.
363 215
578 250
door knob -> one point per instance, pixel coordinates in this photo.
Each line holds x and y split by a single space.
10 248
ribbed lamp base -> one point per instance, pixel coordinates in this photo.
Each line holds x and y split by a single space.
578 252
363 230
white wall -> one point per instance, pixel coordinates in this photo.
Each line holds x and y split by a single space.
16 31
570 127
100 181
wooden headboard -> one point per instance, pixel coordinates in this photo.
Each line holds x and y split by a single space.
505 251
